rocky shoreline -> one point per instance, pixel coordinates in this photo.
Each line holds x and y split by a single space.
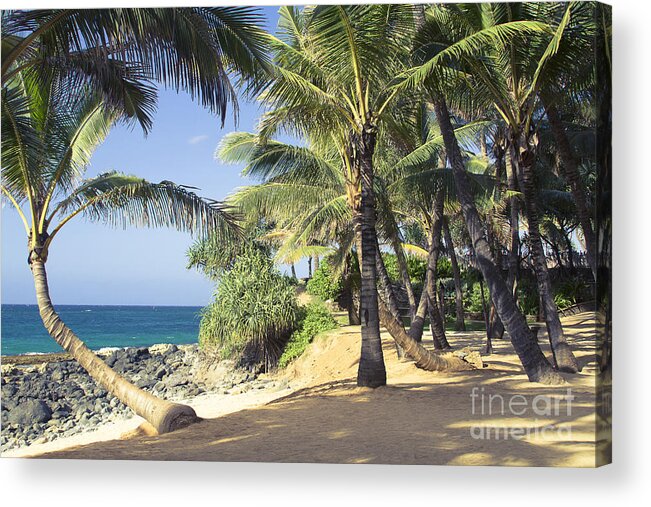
56 398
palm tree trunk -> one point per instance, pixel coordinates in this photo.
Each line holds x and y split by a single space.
309 267
514 251
387 289
495 328
385 282
495 325
436 324
162 415
404 274
371 371
316 263
533 360
460 324
349 303
423 358
570 170
441 300
347 299
418 322
489 341
293 271
541 310
524 159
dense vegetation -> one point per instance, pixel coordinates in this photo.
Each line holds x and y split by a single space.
461 142
325 283
254 311
316 318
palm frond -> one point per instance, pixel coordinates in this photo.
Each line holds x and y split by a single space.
193 49
123 200
468 47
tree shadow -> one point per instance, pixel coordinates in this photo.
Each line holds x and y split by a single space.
420 418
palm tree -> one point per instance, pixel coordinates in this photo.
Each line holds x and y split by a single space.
450 36
303 192
120 53
334 68
46 149
511 83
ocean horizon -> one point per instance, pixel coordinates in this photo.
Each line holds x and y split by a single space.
99 326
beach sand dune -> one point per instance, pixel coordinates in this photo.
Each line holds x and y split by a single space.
492 416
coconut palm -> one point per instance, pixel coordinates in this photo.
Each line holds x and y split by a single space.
448 49
121 53
46 150
334 65
510 80
304 193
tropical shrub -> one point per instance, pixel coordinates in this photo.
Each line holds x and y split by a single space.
213 256
324 283
391 265
528 299
254 311
444 268
571 291
415 267
562 302
316 319
472 301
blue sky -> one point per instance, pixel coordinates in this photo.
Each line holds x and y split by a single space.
91 263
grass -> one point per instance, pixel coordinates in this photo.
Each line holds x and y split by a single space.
317 320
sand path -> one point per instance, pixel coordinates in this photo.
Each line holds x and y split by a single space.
419 418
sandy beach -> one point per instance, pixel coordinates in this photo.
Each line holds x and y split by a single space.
490 416
207 406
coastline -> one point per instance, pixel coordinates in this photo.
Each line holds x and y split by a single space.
50 403
33 358
207 406
313 411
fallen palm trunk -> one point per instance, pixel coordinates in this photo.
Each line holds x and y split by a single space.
163 415
424 358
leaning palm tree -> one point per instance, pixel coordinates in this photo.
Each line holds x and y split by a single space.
445 62
509 79
121 53
46 150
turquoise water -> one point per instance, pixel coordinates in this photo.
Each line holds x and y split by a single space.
99 326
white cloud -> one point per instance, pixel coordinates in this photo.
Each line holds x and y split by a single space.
197 139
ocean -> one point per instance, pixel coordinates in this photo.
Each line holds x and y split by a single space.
22 331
